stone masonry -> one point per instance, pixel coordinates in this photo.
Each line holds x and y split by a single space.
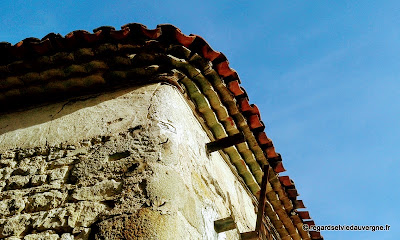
130 164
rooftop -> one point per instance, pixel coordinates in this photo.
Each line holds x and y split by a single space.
38 71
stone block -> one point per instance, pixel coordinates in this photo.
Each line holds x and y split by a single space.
85 213
62 162
105 190
25 153
24 170
47 235
15 225
46 201
52 219
7 162
13 238
55 155
36 164
11 206
67 236
81 214
58 173
8 155
5 173
37 180
17 182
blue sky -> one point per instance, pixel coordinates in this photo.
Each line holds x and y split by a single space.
325 75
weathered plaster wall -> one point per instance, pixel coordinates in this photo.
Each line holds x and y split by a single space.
125 165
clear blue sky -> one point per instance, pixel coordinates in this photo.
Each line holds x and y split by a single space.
325 75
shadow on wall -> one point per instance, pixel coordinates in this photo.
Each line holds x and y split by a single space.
43 113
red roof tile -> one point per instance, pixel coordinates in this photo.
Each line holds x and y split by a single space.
304 214
315 235
286 181
300 204
311 222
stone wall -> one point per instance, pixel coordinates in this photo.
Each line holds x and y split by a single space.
130 164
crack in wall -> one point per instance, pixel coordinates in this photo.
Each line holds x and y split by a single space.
151 101
79 99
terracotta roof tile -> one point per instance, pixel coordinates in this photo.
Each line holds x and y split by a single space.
300 204
255 123
270 151
292 192
315 235
286 181
310 222
263 140
279 167
235 88
201 46
304 214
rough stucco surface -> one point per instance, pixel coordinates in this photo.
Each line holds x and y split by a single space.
125 165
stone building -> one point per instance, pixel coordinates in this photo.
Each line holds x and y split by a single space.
135 134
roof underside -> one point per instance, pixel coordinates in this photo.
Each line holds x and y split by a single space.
37 71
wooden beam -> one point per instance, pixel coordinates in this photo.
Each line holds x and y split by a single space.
225 224
249 235
263 197
257 233
225 142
